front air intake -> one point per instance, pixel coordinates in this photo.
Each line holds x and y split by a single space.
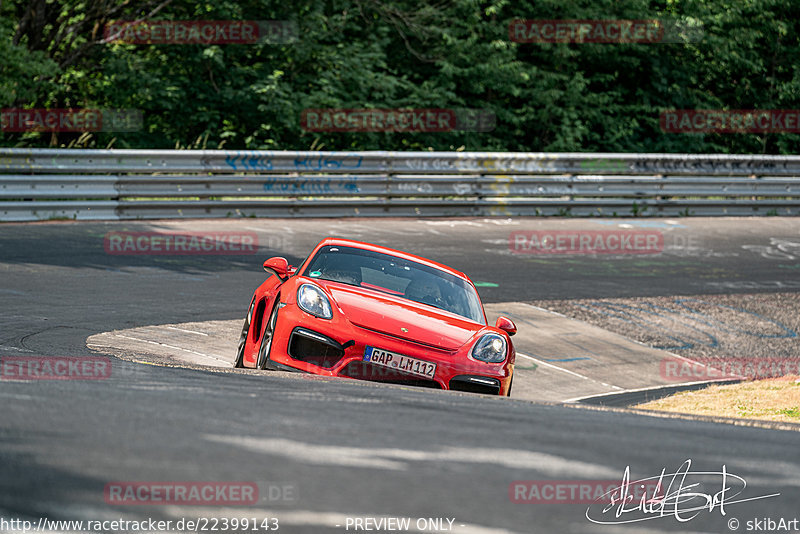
314 348
475 384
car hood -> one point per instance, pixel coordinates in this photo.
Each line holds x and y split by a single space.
389 315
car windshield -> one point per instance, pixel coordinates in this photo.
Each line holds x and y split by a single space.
396 276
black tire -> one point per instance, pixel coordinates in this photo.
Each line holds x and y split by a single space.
266 338
239 361
508 393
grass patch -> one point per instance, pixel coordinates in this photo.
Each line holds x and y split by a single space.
773 399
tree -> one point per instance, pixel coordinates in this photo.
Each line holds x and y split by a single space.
406 54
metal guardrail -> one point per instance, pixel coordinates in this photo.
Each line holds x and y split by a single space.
38 184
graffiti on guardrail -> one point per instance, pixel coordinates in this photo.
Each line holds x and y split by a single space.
463 189
700 165
415 187
691 322
248 162
552 163
430 164
473 164
320 185
324 163
539 163
503 184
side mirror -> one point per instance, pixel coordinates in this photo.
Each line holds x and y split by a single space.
277 266
506 324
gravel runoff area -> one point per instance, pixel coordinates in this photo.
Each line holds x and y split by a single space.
751 335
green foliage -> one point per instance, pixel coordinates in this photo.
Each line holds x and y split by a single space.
23 72
404 54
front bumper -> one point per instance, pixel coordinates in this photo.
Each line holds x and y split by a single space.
336 347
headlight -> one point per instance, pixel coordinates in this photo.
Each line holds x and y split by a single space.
491 348
311 299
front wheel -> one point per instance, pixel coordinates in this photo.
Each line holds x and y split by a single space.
239 361
266 337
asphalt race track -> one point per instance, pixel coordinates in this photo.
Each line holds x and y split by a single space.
326 452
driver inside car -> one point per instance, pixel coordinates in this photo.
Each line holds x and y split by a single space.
426 292
342 269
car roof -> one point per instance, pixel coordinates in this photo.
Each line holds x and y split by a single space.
335 241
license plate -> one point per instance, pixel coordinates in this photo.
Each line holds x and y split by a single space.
398 362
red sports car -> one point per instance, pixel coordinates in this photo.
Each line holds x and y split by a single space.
363 311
